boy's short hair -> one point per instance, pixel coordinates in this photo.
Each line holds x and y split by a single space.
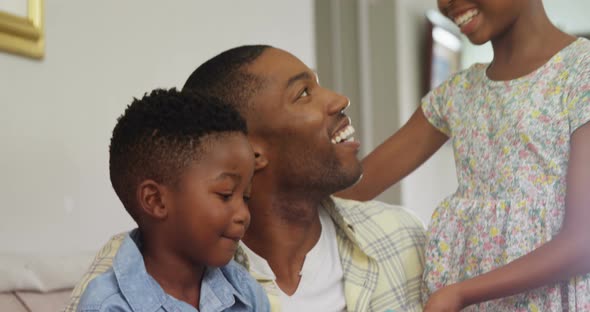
160 135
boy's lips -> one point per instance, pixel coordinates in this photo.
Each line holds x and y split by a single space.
235 237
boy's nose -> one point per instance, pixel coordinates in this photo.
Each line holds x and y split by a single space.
242 215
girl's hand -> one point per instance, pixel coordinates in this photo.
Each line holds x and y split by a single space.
446 299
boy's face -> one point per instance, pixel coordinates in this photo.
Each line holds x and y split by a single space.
208 213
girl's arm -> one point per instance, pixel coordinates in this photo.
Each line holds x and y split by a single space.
567 255
395 158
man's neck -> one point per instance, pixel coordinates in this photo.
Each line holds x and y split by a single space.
177 277
282 232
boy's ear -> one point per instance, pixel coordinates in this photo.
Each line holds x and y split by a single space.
260 161
151 199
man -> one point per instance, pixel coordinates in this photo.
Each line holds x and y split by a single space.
309 251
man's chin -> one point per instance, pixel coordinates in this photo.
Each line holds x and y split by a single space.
351 177
358 179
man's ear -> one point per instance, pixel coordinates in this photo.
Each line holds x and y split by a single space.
151 199
260 160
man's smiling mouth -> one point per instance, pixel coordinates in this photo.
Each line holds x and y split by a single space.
344 135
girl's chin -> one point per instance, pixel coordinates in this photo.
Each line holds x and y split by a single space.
477 40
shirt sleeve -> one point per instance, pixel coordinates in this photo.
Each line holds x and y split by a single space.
101 263
433 106
578 106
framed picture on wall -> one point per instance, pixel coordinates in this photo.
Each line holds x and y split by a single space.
21 27
442 49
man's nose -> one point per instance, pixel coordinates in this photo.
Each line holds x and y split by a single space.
338 103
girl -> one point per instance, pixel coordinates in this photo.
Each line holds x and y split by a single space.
514 236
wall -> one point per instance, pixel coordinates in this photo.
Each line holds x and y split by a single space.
56 115
569 15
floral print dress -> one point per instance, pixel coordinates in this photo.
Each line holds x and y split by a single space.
511 143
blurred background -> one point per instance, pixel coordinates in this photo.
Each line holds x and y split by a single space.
57 113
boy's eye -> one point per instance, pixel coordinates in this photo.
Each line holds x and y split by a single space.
225 196
246 199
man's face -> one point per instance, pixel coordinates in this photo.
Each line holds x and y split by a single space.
306 136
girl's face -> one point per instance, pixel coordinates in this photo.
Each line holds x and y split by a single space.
483 20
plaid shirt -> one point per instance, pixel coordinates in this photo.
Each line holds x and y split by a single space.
381 248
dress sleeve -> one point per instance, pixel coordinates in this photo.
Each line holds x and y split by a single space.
434 108
578 105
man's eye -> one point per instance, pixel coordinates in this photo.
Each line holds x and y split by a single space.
304 93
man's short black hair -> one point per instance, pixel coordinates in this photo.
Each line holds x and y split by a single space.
225 76
160 135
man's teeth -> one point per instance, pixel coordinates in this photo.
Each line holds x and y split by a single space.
344 135
466 17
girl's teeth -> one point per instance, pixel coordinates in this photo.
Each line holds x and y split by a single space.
465 18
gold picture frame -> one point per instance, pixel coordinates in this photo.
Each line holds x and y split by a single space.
24 35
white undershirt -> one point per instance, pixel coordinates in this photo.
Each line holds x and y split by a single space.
321 287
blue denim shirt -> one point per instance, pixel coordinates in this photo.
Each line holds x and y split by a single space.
128 287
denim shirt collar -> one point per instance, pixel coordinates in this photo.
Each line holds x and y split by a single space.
143 293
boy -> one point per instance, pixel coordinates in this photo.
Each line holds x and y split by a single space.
181 165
